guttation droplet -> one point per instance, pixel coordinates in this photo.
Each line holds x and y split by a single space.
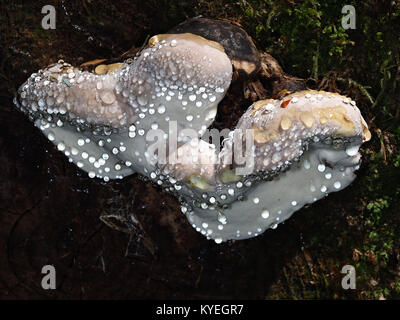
265 214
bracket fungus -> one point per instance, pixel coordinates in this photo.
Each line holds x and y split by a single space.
298 148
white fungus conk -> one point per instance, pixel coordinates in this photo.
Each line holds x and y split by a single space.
303 146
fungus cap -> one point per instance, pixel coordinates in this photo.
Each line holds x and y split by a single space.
100 121
306 146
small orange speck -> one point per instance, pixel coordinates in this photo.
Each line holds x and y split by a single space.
285 103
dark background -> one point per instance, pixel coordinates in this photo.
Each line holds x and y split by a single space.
49 209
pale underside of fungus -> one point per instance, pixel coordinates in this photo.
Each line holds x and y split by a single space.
299 148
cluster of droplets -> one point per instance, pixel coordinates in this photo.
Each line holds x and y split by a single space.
216 218
173 86
61 92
